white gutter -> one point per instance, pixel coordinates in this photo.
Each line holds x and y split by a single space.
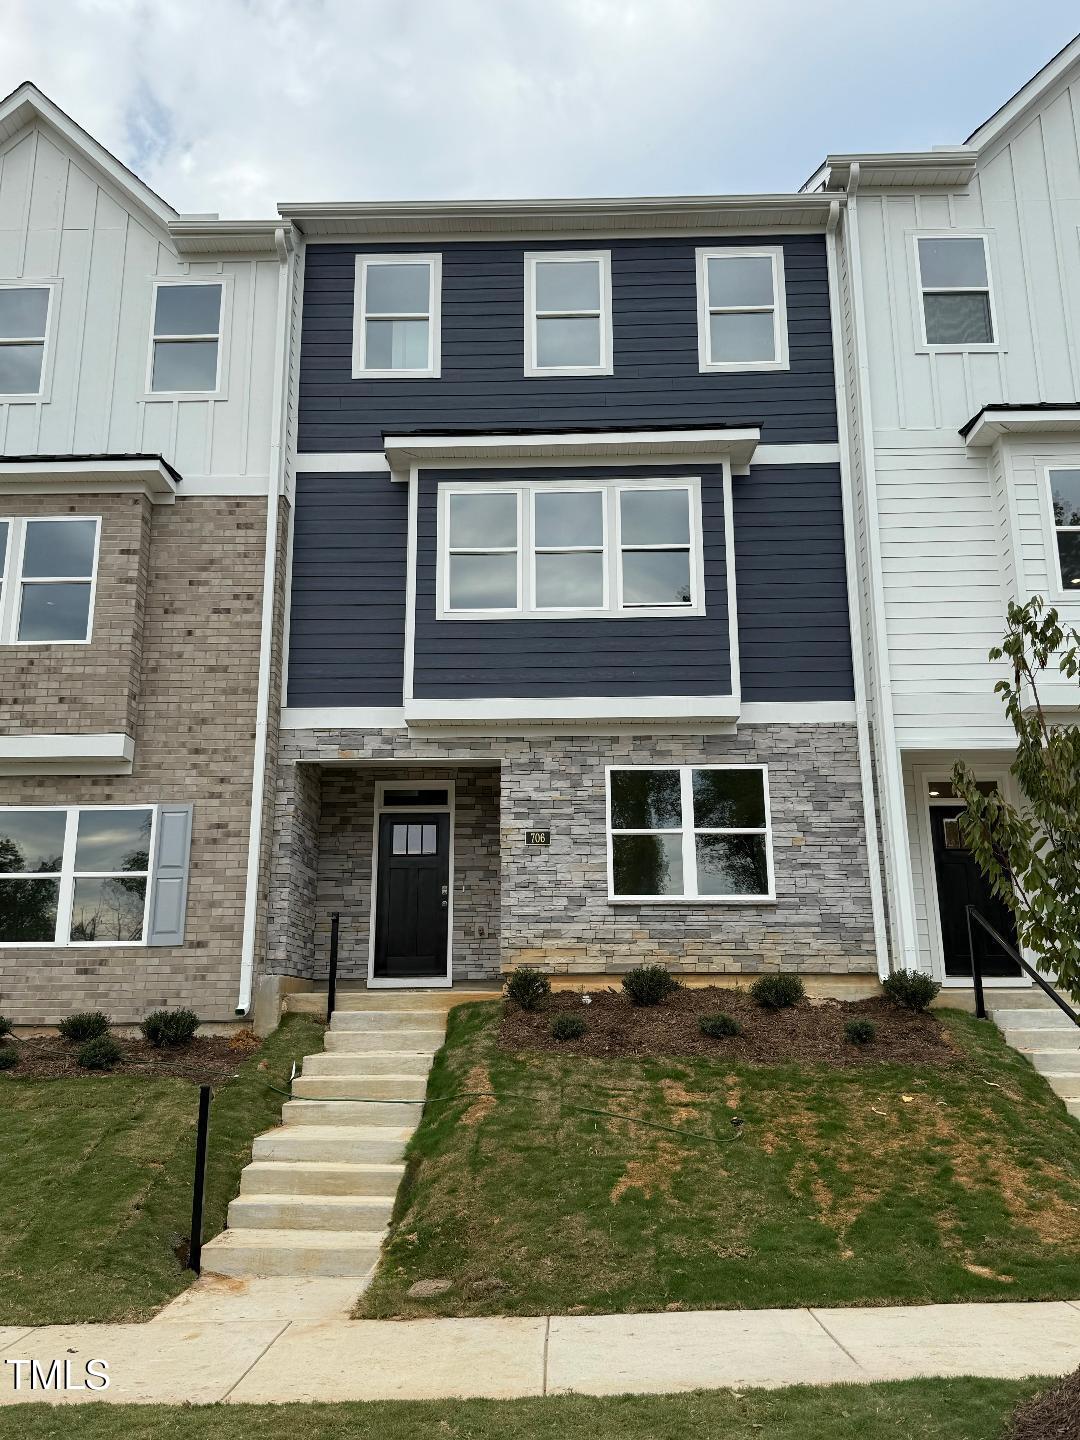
278 458
862 718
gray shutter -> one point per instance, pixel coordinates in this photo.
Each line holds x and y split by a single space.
168 898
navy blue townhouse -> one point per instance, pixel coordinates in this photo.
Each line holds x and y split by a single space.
569 675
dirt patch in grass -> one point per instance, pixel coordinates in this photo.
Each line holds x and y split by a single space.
1052 1415
811 1033
205 1062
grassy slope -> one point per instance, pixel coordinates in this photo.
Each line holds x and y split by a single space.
95 1182
841 1191
914 1409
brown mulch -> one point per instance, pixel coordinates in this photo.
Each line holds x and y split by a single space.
808 1032
1053 1414
205 1062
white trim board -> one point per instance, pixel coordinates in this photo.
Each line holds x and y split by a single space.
146 474
66 754
759 712
738 445
646 709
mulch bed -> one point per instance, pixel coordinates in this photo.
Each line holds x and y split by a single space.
1053 1414
812 1033
205 1062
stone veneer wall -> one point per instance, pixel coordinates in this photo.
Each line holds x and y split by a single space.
194 736
554 905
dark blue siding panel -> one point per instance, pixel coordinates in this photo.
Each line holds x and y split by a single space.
654 320
347 619
794 640
530 658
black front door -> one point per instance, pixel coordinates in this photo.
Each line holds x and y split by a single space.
412 904
960 883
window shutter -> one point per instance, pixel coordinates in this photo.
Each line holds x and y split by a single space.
168 899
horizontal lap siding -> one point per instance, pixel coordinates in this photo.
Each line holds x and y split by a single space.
656 379
794 632
457 659
347 618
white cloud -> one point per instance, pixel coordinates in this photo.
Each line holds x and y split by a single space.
234 105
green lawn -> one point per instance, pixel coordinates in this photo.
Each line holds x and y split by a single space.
914 1409
95 1182
878 1184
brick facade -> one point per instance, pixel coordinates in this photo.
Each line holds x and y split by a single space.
193 586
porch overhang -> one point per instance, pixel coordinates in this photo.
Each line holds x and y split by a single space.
147 475
994 422
667 711
717 443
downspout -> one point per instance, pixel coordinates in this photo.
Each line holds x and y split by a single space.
276 480
894 828
862 717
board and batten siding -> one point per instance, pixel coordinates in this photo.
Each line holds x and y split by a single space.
59 221
656 380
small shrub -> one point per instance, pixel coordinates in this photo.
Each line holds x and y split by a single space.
84 1025
778 992
719 1027
9 1057
860 1032
910 989
101 1053
649 984
568 1027
169 1028
6 1027
528 988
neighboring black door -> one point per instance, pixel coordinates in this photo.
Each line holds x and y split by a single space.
413 900
960 883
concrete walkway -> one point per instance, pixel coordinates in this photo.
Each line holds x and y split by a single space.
279 1340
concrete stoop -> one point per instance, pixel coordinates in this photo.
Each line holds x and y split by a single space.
1033 1024
318 1194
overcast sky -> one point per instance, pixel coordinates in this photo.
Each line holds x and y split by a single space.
234 105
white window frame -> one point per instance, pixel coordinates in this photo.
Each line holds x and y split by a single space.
614 607
67 876
224 284
42 392
535 371
11 587
976 347
688 831
1065 595
433 369
774 253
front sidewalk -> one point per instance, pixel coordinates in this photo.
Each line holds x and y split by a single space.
278 1341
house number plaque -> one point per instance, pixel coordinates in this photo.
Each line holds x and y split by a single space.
537 837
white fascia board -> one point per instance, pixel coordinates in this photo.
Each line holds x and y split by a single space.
946 167
66 754
1027 96
48 476
738 445
340 462
993 424
631 710
342 717
798 712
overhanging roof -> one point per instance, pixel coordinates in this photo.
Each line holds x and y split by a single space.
1044 418
947 167
52 474
736 443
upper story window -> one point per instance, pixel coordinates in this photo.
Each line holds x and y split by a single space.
570 549
689 833
24 329
954 285
396 316
568 313
185 343
47 580
1065 499
742 311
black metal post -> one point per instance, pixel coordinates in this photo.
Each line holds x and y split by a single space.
976 968
198 1188
331 987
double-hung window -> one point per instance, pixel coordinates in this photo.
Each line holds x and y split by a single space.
71 876
954 286
689 832
24 330
185 340
1065 500
568 313
742 309
570 549
47 579
396 316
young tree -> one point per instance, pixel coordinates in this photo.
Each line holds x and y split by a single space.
1030 853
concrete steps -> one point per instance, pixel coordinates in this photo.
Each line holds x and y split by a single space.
1038 1029
318 1194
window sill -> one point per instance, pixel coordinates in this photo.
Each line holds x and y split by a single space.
719 367
756 900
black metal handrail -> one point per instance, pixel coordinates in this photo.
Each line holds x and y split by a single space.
331 979
1013 954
